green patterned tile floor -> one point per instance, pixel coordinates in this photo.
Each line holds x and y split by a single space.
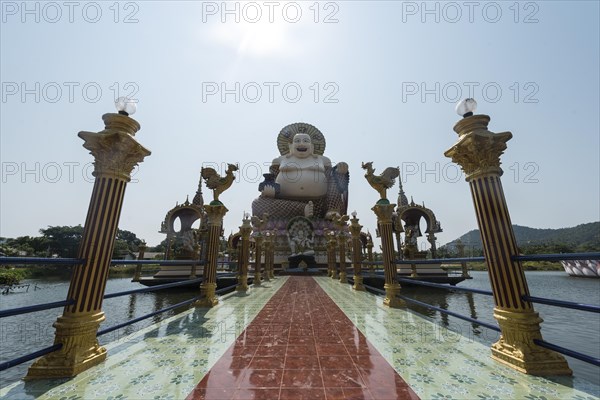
438 363
163 361
167 360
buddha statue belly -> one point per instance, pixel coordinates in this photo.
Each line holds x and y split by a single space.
302 179
306 184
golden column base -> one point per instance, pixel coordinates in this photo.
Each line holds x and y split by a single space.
272 271
242 285
80 351
358 283
517 350
209 299
392 290
343 276
257 278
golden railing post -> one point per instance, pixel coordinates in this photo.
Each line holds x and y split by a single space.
194 267
272 254
244 255
461 253
215 212
478 153
341 226
384 212
116 153
331 257
384 222
258 243
258 227
355 228
138 268
370 253
267 250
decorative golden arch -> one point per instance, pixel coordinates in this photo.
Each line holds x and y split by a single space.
187 213
412 213
233 240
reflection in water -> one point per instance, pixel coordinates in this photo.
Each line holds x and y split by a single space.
132 299
23 334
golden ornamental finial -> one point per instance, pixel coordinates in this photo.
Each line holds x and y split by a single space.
217 183
382 182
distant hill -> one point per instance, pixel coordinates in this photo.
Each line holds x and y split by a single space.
584 237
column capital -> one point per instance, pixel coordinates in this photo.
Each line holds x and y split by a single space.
115 150
478 150
384 212
215 213
355 227
245 229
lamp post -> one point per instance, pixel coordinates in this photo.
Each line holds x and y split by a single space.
116 153
370 253
478 153
397 229
355 228
258 225
272 245
341 226
244 255
138 268
331 258
267 250
460 247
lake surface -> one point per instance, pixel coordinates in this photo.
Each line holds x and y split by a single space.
576 330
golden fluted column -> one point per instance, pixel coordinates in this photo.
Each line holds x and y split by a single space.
460 247
478 153
258 244
272 240
116 153
355 228
384 222
370 253
138 268
342 237
267 250
215 212
244 255
331 257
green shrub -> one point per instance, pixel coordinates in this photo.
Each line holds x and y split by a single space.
11 276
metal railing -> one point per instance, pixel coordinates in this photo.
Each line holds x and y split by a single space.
73 261
533 299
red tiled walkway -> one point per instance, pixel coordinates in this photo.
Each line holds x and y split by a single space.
302 346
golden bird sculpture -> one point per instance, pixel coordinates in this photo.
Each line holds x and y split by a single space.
382 182
217 183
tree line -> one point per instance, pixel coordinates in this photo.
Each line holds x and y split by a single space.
63 241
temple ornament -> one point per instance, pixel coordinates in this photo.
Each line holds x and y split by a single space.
382 182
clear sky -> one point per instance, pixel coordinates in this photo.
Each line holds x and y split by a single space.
216 82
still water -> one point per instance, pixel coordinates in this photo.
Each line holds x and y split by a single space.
576 330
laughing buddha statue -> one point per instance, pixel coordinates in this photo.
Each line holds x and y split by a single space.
303 182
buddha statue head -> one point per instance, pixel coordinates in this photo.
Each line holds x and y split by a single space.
301 146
